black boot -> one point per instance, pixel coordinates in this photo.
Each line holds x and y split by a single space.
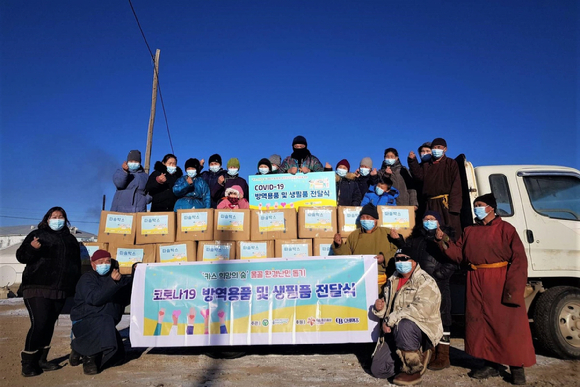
75 358
489 370
90 366
44 364
30 365
518 375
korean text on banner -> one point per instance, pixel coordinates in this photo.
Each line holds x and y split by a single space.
276 301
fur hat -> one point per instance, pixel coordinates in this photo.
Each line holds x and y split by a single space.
234 163
265 161
488 199
134 155
192 163
369 209
367 161
235 189
100 254
345 163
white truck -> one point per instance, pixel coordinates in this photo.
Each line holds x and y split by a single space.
543 204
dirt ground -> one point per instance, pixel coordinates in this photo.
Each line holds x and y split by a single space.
275 366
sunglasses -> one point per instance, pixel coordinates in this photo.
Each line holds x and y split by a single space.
402 258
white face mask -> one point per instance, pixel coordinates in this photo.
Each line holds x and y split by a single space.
192 173
364 171
341 172
232 171
214 168
390 161
263 171
274 168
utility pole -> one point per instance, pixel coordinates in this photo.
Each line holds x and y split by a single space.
152 115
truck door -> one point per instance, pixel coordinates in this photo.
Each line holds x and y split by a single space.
551 203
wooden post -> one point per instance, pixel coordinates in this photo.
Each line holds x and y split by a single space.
152 115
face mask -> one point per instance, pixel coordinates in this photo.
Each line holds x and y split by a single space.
232 171
263 171
379 191
426 157
341 172
56 224
133 166
367 224
364 171
430 224
234 201
390 161
171 170
480 212
192 173
214 168
437 153
404 267
103 268
274 168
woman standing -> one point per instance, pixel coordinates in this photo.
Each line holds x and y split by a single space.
53 266
161 182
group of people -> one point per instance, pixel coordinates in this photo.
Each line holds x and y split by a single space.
414 303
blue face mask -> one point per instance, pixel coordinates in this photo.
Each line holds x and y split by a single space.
341 172
480 212
404 267
133 166
171 170
426 157
364 171
390 161
367 224
430 224
192 173
214 168
103 268
56 224
437 153
379 191
263 171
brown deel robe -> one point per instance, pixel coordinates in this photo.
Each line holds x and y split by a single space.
496 321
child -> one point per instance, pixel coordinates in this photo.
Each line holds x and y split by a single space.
234 199
382 194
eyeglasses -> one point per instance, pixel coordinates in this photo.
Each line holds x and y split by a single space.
402 258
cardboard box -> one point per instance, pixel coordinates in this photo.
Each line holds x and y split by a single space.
293 248
195 225
231 225
176 252
348 220
316 222
273 224
321 247
216 250
155 227
117 227
402 218
88 249
127 255
254 249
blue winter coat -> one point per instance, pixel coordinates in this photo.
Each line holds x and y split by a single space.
191 196
131 195
387 199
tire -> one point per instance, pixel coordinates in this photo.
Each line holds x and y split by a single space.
557 321
225 355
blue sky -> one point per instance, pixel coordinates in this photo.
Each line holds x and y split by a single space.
498 80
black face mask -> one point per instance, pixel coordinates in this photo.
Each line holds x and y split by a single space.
300 154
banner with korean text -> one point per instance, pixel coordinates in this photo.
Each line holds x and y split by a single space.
314 189
309 300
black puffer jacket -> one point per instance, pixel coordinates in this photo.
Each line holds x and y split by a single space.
347 191
56 265
364 182
162 194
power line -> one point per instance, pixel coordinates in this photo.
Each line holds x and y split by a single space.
21 217
156 73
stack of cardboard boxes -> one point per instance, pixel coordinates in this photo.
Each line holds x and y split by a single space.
208 234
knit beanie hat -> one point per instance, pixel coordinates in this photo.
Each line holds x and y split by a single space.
369 209
299 140
134 155
192 163
215 159
436 215
488 199
439 141
275 159
234 163
266 162
366 161
100 254
345 163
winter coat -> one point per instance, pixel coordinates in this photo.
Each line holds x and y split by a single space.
131 195
347 192
218 190
55 267
162 194
364 182
211 179
311 162
195 195
418 300
386 199
403 182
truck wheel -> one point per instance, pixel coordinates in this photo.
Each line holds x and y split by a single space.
557 321
225 354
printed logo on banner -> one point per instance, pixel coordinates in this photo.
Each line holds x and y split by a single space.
396 218
216 252
317 219
193 221
250 250
118 224
230 221
271 221
175 253
294 250
155 225
350 217
127 257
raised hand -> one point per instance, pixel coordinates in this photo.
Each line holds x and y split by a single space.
35 243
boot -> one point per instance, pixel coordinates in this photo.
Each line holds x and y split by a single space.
30 365
489 370
45 364
441 361
90 365
75 358
413 364
518 375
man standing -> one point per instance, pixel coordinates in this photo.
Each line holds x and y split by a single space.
101 297
411 323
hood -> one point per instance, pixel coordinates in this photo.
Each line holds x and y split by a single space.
237 189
